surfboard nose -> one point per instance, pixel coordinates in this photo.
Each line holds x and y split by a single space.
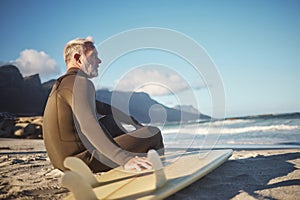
77 165
78 186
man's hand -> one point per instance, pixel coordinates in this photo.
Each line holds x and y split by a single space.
138 163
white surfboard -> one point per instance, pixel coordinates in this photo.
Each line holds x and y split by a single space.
170 175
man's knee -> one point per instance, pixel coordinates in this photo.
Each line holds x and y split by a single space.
157 139
154 130
156 133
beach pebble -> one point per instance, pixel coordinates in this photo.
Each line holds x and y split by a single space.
21 127
17 161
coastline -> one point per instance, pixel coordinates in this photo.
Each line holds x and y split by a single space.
26 173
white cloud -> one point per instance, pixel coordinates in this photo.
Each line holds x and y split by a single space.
32 62
152 81
199 84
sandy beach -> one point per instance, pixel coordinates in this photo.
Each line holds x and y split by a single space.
26 173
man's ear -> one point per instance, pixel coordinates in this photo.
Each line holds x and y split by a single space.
76 57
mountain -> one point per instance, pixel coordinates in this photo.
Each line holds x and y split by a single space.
146 110
28 96
187 108
21 95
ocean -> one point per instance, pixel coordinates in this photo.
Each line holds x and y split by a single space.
278 130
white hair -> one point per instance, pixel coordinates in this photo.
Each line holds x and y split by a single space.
78 45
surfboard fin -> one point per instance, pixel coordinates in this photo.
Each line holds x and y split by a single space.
158 167
77 165
78 186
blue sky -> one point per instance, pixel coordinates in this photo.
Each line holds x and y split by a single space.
254 44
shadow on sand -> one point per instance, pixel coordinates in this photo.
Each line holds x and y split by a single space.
248 175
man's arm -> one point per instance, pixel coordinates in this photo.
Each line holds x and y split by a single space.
85 113
84 110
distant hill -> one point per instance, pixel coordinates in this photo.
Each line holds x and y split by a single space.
186 108
140 104
28 96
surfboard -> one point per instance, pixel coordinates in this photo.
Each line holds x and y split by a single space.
170 173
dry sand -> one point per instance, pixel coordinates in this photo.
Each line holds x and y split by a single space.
26 173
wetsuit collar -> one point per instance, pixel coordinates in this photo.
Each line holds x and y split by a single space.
71 71
76 71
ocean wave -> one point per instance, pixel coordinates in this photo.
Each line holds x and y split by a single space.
232 122
268 128
201 130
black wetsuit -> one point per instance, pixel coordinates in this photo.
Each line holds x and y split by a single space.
71 127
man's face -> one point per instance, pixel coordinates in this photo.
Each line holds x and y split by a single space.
90 63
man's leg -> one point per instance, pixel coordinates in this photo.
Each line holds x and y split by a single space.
138 141
113 127
142 140
94 164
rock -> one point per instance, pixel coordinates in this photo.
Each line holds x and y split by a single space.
30 129
19 132
48 85
7 121
6 127
6 115
25 96
21 127
33 81
10 76
38 121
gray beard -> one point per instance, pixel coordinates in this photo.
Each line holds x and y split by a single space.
89 69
